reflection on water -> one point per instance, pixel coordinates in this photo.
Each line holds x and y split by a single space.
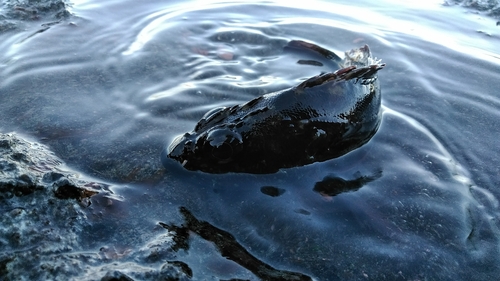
229 248
107 89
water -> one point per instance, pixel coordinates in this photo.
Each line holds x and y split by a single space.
109 87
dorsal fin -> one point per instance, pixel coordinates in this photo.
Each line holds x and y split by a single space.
343 74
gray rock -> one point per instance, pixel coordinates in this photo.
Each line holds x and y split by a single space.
488 7
43 219
26 167
36 223
36 10
16 15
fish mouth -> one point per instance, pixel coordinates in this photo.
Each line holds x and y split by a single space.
175 143
179 145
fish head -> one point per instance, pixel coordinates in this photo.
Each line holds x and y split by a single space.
214 142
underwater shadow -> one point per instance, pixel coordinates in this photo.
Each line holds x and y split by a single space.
228 247
332 186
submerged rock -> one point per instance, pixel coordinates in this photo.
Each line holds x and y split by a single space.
26 167
322 118
35 223
489 7
17 12
228 247
44 216
37 9
37 226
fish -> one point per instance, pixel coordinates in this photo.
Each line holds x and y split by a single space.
322 118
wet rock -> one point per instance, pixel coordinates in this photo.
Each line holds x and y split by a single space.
183 267
37 228
15 13
37 10
489 7
41 240
116 276
130 271
153 261
26 167
480 5
44 219
36 232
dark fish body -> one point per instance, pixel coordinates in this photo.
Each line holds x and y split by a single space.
322 118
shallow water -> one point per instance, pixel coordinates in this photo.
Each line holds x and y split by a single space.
108 88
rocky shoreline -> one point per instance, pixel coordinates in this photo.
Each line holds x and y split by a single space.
44 213
488 7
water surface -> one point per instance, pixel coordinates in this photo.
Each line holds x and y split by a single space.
113 84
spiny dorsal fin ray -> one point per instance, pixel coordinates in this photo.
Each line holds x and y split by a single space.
343 74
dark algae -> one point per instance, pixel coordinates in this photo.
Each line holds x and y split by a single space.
272 191
332 185
322 118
